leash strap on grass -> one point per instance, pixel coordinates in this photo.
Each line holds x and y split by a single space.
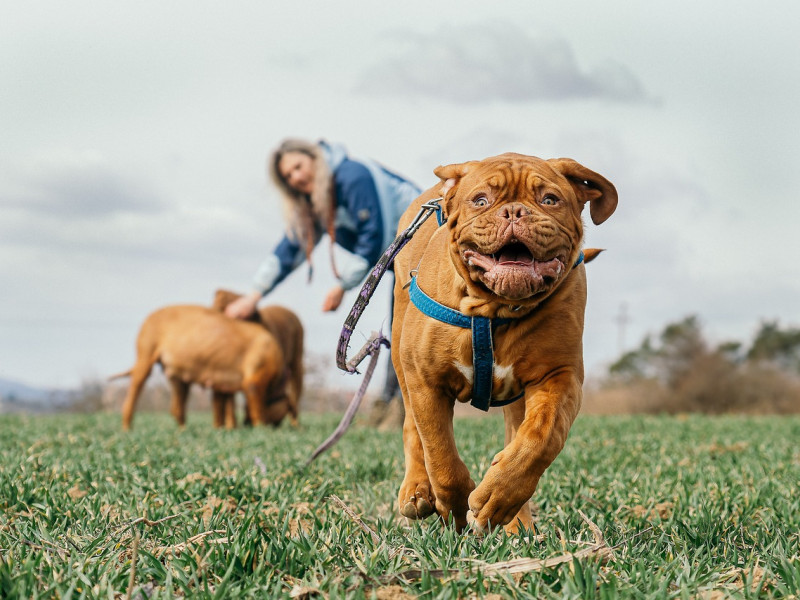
373 348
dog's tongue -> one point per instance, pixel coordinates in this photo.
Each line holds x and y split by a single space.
517 276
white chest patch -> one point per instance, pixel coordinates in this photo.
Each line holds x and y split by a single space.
506 377
464 370
502 377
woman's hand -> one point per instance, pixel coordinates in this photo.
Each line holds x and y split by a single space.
333 299
243 307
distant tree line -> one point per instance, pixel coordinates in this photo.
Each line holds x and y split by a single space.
685 372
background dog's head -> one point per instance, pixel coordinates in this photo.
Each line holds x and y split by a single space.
515 220
224 297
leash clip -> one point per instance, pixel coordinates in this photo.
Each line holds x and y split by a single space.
411 274
426 210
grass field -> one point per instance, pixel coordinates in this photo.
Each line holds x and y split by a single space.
684 508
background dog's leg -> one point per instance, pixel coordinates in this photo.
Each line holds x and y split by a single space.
291 394
247 421
229 410
296 370
255 395
180 390
219 406
139 375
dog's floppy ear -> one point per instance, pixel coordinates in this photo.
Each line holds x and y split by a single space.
222 298
450 176
590 187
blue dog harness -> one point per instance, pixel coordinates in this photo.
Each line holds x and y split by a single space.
482 347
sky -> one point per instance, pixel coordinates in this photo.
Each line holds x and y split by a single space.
133 140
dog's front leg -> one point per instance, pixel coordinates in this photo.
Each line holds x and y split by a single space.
550 409
180 393
514 414
431 431
254 395
415 497
218 400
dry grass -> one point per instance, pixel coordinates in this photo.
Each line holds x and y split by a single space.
712 386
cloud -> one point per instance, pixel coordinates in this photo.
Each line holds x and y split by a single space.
79 187
74 215
497 61
474 144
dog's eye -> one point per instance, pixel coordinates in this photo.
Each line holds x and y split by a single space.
480 202
549 200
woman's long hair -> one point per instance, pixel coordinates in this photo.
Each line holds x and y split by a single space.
301 211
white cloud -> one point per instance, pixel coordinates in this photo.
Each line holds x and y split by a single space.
496 61
77 186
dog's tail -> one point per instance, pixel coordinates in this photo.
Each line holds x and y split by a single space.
589 254
120 375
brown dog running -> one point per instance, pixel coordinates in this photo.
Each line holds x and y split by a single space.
288 331
510 250
195 344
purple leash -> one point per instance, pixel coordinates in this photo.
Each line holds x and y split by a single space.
373 346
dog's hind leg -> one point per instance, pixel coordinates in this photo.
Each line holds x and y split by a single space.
224 410
180 391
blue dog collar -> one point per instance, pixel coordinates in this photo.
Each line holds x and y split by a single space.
482 345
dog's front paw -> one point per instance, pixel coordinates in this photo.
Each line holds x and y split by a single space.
501 499
416 500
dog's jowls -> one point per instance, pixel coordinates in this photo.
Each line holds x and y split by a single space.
508 250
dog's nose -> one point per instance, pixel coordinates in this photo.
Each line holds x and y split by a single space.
513 211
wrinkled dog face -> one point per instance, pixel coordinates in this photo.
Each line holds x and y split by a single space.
516 220
518 230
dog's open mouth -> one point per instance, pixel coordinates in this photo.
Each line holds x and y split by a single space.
513 272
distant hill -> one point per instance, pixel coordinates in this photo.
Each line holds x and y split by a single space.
19 397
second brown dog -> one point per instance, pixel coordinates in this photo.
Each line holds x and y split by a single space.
288 331
195 344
